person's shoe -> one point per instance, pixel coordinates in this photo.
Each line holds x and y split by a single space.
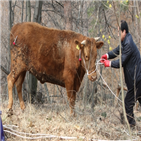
132 127
135 127
138 128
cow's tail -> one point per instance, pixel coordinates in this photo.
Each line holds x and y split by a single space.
12 34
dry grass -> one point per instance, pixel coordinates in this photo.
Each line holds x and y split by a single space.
54 119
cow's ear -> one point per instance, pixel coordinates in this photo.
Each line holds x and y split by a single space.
78 43
99 44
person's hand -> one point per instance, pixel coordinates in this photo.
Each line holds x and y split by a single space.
107 63
103 58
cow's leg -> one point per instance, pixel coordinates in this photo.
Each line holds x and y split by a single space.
71 97
11 79
71 93
18 84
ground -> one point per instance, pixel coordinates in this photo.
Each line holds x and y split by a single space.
103 123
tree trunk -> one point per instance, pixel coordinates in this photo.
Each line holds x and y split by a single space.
68 15
139 23
85 19
48 97
36 18
32 82
22 11
28 11
37 11
136 23
10 26
85 33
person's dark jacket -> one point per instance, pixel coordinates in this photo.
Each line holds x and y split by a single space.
131 61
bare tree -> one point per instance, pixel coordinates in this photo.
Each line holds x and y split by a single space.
11 17
37 11
36 18
28 11
22 14
68 15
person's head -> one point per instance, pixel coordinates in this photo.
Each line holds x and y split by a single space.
124 29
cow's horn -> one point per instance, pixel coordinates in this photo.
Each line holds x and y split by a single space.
83 42
97 38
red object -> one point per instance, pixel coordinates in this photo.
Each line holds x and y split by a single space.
13 43
107 63
79 55
103 58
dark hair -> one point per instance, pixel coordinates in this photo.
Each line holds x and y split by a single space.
124 26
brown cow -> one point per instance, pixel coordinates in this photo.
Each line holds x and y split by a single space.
51 56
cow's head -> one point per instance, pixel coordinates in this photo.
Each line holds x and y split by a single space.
89 54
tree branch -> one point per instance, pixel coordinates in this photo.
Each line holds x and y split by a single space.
4 70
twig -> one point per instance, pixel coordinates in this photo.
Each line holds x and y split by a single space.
63 117
4 70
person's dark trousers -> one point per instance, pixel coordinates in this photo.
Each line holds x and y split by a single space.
131 97
1 130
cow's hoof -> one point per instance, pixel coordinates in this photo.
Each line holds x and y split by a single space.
22 105
9 112
72 113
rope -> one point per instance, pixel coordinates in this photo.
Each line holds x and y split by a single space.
107 84
96 69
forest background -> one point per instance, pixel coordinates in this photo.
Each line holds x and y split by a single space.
97 115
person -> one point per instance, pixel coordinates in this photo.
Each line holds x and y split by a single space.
131 63
2 138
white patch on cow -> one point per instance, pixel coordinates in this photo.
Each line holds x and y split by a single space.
66 44
59 45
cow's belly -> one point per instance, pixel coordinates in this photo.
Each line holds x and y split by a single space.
51 79
45 77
